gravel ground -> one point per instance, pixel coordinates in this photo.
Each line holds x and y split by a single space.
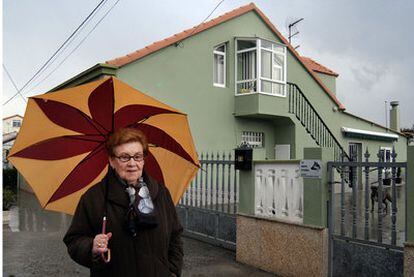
29 253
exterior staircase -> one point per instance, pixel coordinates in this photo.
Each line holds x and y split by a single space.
300 106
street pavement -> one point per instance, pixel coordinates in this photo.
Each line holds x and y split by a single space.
42 253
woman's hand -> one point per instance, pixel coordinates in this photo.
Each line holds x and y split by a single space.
100 243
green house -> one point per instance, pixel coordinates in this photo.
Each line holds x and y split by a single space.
239 80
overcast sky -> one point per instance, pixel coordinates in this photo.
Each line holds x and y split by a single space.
367 42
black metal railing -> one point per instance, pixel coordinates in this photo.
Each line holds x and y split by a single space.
300 106
369 213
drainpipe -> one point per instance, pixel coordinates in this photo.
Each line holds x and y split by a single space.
395 116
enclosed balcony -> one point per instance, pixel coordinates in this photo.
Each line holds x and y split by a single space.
260 78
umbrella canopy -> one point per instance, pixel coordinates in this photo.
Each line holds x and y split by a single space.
60 149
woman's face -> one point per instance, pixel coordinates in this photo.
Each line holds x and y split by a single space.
128 161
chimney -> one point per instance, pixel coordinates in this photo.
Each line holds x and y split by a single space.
395 116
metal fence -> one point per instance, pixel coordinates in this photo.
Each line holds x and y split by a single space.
215 186
208 208
367 221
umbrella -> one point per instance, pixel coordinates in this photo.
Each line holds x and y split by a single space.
60 149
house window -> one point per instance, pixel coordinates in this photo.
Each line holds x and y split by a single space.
385 154
254 139
219 66
16 123
246 66
263 58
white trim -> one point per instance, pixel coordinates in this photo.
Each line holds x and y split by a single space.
275 42
245 81
264 93
369 133
273 81
219 85
247 50
235 65
258 65
220 53
259 77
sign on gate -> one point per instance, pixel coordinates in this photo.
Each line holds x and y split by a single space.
311 169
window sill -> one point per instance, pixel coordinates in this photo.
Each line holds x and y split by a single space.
264 93
219 85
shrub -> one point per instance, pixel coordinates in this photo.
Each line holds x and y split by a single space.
9 187
10 179
9 198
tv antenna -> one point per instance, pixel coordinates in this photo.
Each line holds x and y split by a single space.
293 31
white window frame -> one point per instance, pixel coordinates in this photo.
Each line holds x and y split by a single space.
235 66
254 139
386 149
259 78
223 54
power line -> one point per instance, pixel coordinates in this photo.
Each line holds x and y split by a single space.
79 44
179 42
65 47
14 84
54 54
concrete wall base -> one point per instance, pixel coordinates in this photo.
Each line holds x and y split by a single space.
409 259
285 249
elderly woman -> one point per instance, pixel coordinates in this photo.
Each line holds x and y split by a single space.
143 231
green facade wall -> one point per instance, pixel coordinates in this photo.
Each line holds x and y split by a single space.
181 75
329 81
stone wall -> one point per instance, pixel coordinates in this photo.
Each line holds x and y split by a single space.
408 259
283 248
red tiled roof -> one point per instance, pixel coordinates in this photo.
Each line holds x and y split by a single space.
121 61
124 60
315 66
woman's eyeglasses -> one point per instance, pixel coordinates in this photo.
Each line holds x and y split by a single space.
126 158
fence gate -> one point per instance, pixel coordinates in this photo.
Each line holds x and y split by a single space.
366 235
208 208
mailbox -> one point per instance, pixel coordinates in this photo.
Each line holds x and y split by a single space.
243 157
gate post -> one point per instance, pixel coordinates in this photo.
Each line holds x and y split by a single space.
409 214
279 245
315 191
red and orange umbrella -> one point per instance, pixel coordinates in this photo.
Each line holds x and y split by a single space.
60 149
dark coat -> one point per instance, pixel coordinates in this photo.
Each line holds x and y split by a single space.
154 252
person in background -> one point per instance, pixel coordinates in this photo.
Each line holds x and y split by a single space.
143 233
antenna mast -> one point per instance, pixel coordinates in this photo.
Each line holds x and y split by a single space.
290 26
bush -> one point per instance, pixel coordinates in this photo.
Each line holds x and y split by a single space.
10 179
9 187
9 198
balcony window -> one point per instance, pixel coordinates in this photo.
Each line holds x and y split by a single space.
266 59
246 66
219 69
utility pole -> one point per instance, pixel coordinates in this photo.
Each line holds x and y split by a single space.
290 26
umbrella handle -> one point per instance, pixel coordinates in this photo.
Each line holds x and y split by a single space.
106 257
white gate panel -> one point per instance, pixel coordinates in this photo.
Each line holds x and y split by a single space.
279 191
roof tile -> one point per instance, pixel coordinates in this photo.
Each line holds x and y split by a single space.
315 66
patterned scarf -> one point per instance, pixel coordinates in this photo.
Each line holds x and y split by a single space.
141 213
